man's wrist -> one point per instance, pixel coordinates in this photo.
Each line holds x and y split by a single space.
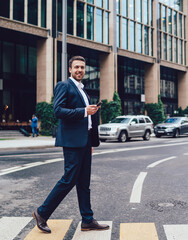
85 115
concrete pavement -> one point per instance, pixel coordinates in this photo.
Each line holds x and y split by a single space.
26 142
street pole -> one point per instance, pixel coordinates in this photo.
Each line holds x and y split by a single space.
64 40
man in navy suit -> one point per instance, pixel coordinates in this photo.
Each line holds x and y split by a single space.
77 134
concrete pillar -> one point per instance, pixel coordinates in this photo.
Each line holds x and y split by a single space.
45 62
152 80
183 89
107 79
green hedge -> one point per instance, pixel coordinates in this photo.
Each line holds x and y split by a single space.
44 111
112 109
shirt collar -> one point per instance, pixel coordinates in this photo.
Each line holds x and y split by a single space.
79 85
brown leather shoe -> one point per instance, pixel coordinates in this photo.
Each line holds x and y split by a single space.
94 225
41 222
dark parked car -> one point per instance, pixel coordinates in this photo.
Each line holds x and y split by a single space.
173 126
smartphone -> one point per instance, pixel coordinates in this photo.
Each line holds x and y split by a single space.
99 104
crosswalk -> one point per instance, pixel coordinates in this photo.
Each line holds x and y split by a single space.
60 227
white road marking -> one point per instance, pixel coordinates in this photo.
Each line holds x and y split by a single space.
137 188
11 226
176 232
160 161
29 155
93 235
28 165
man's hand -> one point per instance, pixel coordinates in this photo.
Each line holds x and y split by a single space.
91 109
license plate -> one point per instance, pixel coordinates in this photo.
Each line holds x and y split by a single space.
160 131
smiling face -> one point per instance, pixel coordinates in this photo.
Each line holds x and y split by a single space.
77 70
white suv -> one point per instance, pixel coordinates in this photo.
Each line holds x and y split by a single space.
123 128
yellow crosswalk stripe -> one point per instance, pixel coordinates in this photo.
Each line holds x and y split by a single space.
138 231
58 227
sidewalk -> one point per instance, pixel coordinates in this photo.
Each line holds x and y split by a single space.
26 142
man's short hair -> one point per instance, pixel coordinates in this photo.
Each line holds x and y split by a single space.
79 58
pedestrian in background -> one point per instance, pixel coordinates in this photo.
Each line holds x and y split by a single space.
34 125
77 134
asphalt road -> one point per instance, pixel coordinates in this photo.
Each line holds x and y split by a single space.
133 182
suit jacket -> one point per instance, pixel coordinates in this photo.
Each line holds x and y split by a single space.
69 108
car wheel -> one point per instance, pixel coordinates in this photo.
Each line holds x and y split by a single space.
158 135
176 134
123 137
146 136
103 140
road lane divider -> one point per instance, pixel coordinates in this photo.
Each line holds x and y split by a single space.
93 235
160 161
10 227
137 188
59 229
176 232
138 231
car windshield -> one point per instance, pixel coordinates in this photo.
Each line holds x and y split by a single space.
120 120
172 120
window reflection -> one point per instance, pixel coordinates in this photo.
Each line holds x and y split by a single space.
132 36
124 8
139 10
90 21
99 24
33 12
132 9
80 19
124 43
139 38
169 20
18 10
146 40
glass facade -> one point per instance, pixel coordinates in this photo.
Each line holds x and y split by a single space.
80 19
137 16
90 22
131 85
172 31
99 24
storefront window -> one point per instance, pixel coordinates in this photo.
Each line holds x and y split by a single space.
21 59
99 24
43 13
32 11
8 57
80 19
90 22
124 43
4 8
18 10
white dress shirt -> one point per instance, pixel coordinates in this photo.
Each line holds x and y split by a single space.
80 86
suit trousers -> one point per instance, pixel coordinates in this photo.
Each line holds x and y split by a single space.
77 171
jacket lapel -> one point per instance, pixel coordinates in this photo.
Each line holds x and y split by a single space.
77 90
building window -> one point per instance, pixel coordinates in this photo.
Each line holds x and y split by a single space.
132 36
90 1
99 24
107 4
170 47
180 25
90 22
21 59
175 23
146 40
43 13
139 10
151 13
4 8
118 31
175 50
139 38
69 17
99 3
151 42
146 12
164 46
180 52
18 10
170 20
118 6
59 15
124 42
32 64
106 28
33 12
80 19
132 9
124 8
164 18
8 57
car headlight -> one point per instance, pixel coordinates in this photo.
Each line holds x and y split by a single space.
169 129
